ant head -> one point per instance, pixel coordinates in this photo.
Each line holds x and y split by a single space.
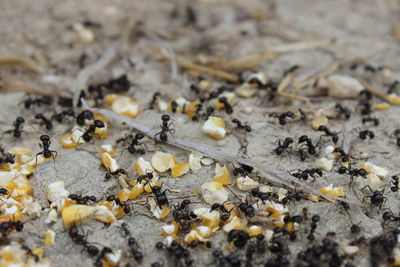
322 128
139 136
99 124
223 99
39 116
44 138
165 117
20 120
235 120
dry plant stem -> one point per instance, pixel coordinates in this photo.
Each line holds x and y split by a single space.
10 84
293 97
376 92
250 61
274 176
217 73
88 71
21 62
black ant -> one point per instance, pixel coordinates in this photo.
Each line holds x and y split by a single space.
119 85
224 213
366 133
247 209
79 199
145 177
353 172
282 117
88 134
3 191
302 154
99 93
45 145
314 223
165 127
99 259
291 197
135 142
333 135
46 121
264 196
393 87
174 106
228 107
84 116
116 173
161 197
396 133
80 239
194 88
65 102
283 146
238 237
45 100
124 206
343 155
389 216
136 253
62 115
154 99
7 226
377 198
303 174
6 158
209 112
242 126
366 96
395 184
243 170
311 147
369 119
343 110
18 126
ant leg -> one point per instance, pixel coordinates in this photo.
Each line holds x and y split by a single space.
38 154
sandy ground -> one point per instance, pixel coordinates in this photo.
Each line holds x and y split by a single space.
226 29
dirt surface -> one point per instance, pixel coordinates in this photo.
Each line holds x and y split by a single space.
145 32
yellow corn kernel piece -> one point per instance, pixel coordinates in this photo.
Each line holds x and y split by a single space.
142 167
159 213
109 162
75 214
67 141
125 106
104 215
147 186
163 161
112 258
221 175
213 192
109 149
229 97
192 236
234 224
49 238
110 98
382 106
215 128
38 252
123 194
394 99
246 90
372 168
313 197
179 169
329 190
191 109
21 154
136 191
169 229
320 119
177 104
254 230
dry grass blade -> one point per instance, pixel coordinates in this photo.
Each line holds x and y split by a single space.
272 175
21 63
10 84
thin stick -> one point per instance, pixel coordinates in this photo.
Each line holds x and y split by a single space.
88 71
378 93
272 175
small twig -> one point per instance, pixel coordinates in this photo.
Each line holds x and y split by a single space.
271 175
84 74
378 93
